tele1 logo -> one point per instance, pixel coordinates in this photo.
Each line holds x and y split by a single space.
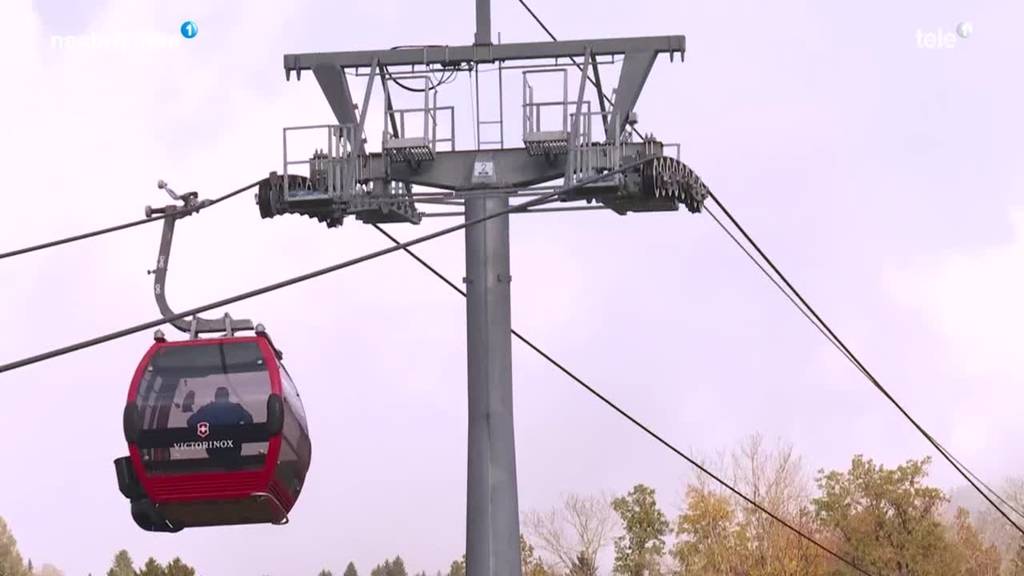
940 39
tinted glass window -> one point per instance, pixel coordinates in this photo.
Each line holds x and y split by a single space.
293 462
202 407
291 395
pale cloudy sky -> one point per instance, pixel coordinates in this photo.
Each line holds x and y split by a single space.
882 176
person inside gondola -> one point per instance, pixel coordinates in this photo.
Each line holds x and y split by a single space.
222 412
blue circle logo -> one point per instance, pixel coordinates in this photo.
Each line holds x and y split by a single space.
189 29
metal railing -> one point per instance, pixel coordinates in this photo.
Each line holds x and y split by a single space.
332 171
424 146
532 108
587 156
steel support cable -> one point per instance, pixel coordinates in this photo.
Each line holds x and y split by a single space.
546 198
999 497
831 336
125 226
842 351
632 419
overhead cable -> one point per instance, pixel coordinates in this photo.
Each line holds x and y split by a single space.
635 421
125 226
543 199
794 296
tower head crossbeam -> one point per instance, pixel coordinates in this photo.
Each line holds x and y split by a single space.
418 144
638 54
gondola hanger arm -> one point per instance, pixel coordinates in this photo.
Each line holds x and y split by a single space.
190 204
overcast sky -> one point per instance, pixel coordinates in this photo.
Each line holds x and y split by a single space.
883 177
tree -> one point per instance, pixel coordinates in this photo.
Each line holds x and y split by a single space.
49 570
710 539
583 565
178 568
325 572
458 567
122 565
590 521
990 525
533 565
977 557
10 558
350 570
886 520
720 533
152 568
774 478
29 568
638 551
1015 567
397 568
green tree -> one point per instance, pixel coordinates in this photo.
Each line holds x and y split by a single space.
886 520
638 551
178 568
122 565
397 568
391 567
325 572
350 570
10 558
458 567
152 568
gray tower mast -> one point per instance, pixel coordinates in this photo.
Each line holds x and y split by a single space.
492 498
345 179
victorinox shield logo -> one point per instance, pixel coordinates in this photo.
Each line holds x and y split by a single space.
203 429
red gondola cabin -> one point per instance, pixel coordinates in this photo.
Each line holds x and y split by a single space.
216 435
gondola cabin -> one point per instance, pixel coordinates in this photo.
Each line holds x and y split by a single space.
216 435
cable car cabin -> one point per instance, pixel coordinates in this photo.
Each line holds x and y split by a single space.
216 434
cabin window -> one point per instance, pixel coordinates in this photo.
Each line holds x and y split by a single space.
291 396
293 460
203 407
